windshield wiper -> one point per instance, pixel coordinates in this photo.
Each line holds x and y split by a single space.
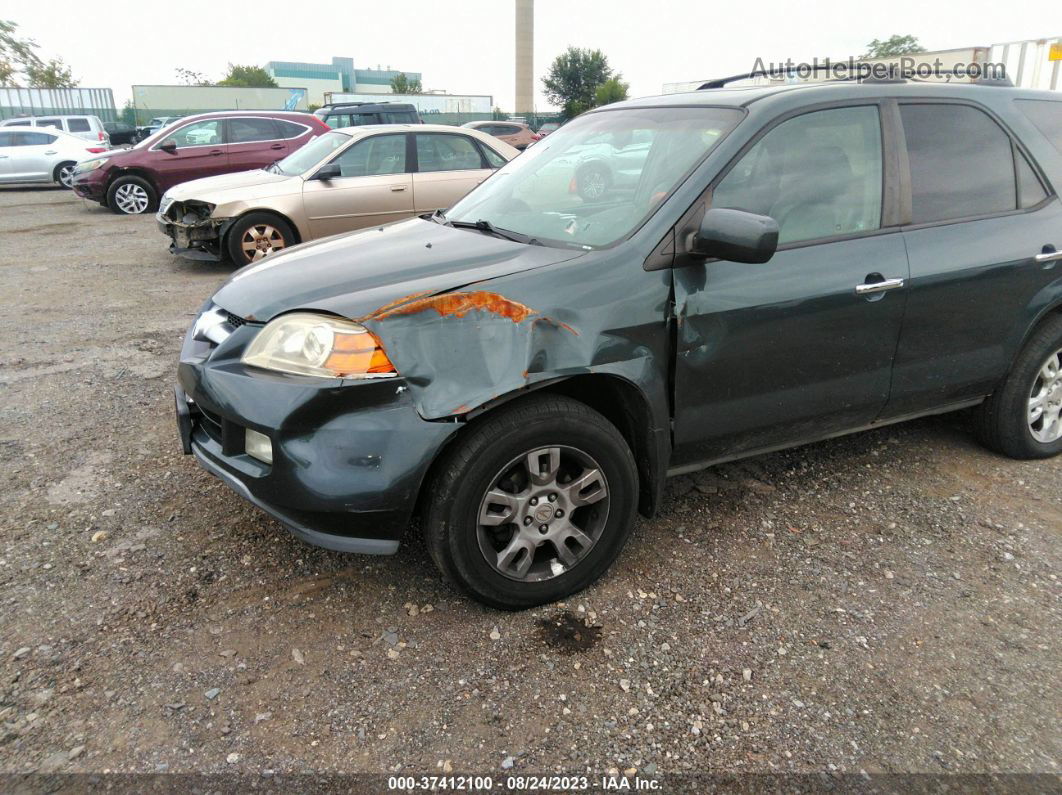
486 226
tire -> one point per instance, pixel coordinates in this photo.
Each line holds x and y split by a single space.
593 182
64 174
1006 422
131 195
589 450
266 232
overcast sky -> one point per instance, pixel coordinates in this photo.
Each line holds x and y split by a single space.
466 46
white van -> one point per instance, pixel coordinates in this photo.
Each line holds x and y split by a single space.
87 127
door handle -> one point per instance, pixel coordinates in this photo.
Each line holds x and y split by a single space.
216 152
277 146
1048 256
51 152
397 188
869 288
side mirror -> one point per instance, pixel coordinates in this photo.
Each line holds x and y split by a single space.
169 146
736 235
328 171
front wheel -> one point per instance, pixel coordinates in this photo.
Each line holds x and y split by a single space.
131 196
258 235
533 504
1023 418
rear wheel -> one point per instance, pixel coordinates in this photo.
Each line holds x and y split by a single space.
533 504
64 174
1023 418
131 196
258 235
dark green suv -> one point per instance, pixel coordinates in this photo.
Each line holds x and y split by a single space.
779 265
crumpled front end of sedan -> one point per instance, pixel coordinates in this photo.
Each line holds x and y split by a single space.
193 230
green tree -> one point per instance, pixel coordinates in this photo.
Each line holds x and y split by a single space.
248 77
612 90
54 74
16 54
573 79
893 46
401 84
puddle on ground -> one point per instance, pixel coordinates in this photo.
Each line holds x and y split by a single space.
568 634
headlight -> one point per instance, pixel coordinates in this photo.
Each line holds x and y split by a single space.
90 165
309 344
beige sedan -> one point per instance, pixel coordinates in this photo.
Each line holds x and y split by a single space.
344 180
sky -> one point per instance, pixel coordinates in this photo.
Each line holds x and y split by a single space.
467 46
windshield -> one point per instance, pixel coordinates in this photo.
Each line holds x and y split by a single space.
595 180
311 154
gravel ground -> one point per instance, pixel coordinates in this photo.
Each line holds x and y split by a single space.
883 602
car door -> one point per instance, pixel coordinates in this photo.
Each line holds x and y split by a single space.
979 214
800 347
449 165
7 150
253 142
32 157
201 152
374 187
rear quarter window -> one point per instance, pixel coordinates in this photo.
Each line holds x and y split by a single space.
78 125
1046 116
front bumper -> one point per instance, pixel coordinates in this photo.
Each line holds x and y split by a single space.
198 241
349 458
91 184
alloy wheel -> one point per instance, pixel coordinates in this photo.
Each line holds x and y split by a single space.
543 513
1045 401
261 240
66 176
131 198
592 185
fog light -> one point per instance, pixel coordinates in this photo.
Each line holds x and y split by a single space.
259 446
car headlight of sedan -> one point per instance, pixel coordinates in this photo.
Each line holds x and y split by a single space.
304 343
90 165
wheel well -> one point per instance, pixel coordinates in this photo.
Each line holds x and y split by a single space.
257 211
136 172
618 401
59 165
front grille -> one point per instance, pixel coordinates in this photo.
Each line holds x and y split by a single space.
211 424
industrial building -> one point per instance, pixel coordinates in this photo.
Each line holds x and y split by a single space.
337 77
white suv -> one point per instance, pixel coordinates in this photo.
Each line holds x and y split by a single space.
88 127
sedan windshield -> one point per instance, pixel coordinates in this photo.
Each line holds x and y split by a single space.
595 180
311 154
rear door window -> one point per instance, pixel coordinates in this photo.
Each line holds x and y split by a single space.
962 163
7 138
289 129
34 139
818 175
1046 115
78 125
57 123
445 152
245 131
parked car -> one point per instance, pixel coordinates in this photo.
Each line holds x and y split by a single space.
548 127
129 181
156 124
796 262
346 179
41 155
121 134
515 133
90 128
354 114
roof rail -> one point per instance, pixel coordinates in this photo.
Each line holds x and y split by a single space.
854 71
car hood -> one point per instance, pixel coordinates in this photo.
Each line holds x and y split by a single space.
248 184
356 274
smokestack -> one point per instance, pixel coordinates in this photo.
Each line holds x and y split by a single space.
525 41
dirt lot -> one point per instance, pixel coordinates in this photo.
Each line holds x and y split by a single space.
884 602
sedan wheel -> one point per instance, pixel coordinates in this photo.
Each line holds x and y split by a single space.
261 240
66 175
1045 401
131 198
543 513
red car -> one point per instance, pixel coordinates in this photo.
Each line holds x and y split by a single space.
130 181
